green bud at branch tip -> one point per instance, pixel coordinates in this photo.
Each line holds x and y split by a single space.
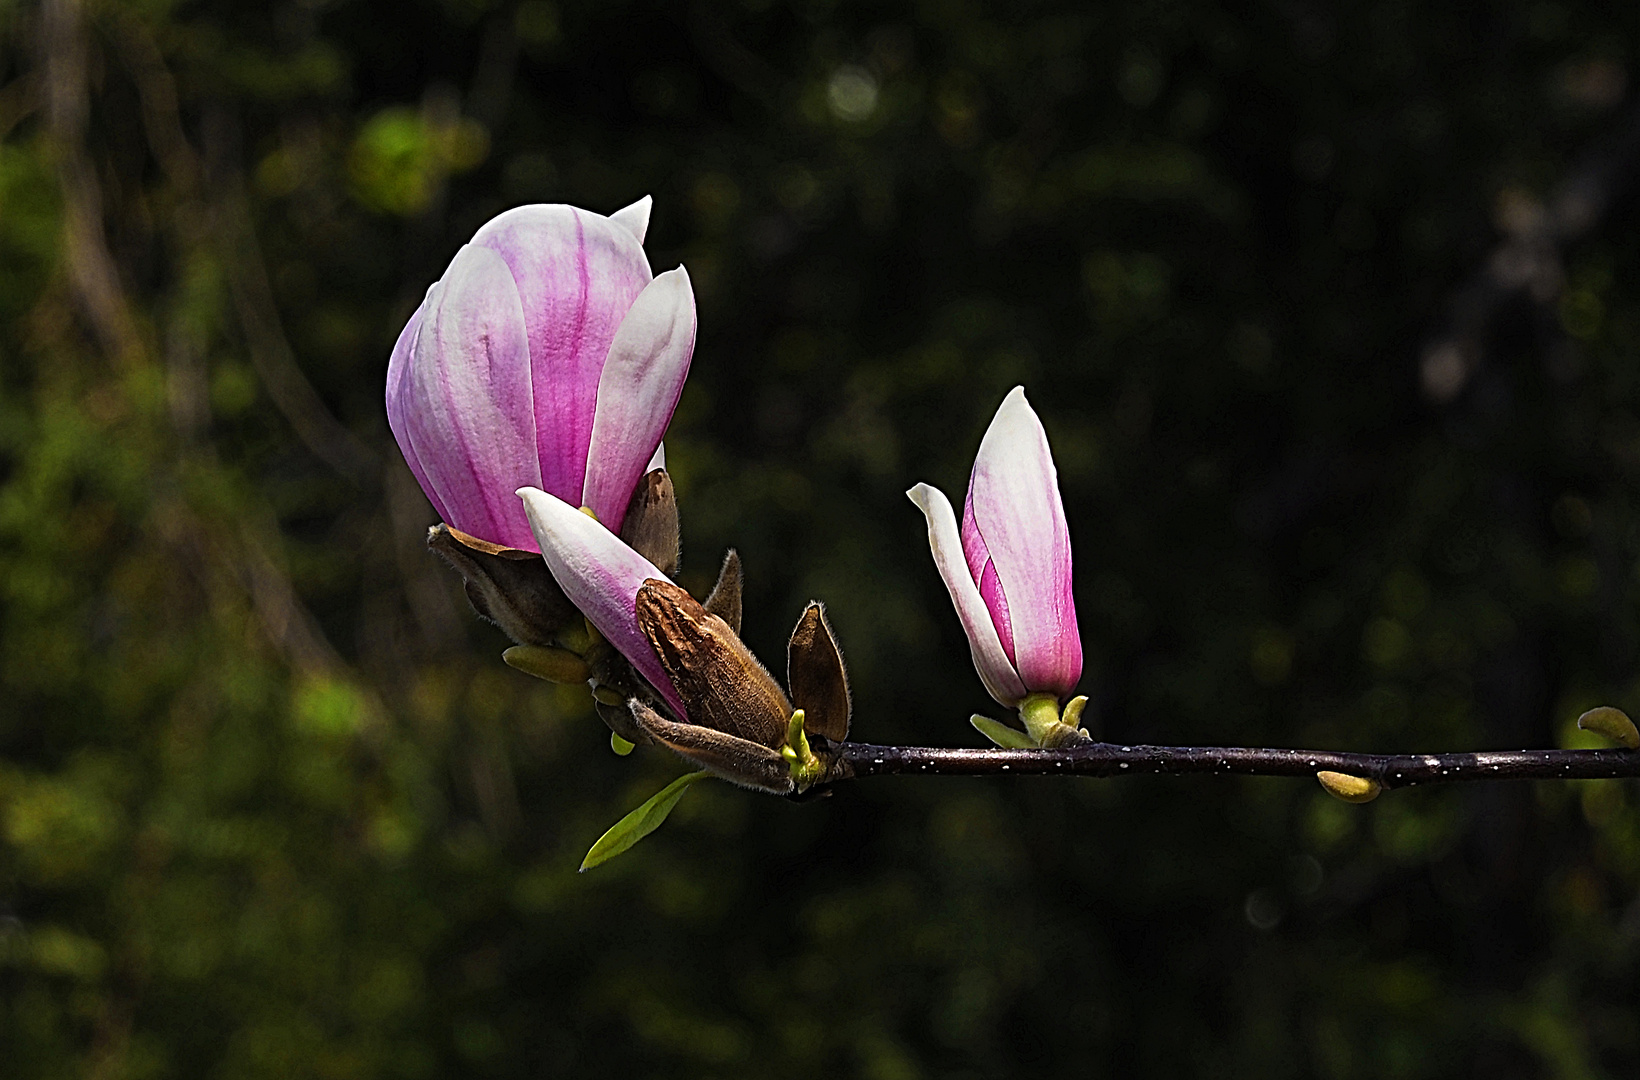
1612 723
805 767
546 662
1350 789
796 751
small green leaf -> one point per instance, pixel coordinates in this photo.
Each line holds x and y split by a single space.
1001 734
620 745
641 822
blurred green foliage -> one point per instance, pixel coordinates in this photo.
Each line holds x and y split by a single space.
270 804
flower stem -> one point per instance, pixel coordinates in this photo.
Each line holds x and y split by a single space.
1040 714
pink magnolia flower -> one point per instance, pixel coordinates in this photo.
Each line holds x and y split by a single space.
1009 567
601 576
546 357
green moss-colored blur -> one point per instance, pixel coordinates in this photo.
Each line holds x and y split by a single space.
1345 398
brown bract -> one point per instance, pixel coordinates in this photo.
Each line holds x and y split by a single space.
511 588
651 525
738 716
722 684
815 673
514 589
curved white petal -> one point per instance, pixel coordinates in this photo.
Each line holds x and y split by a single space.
657 460
635 218
639 388
1017 510
1000 679
601 576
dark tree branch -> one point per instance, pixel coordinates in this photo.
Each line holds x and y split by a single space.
1110 759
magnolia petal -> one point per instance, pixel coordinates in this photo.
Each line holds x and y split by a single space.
984 573
577 274
400 406
973 544
465 400
601 576
634 218
637 392
1017 512
996 602
1000 679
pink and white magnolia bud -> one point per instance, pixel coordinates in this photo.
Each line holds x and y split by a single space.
545 357
1008 568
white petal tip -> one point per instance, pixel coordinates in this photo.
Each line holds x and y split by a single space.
678 276
635 218
1016 400
924 496
538 503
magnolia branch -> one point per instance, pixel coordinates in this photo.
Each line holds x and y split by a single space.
1110 759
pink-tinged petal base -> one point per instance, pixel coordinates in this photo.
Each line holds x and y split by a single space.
992 663
996 601
638 391
1019 518
984 572
601 576
463 400
577 274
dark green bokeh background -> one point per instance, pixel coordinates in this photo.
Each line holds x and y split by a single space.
273 807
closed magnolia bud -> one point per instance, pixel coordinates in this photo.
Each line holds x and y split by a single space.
1008 565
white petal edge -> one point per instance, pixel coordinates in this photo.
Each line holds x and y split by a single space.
601 576
634 218
658 460
638 389
945 541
